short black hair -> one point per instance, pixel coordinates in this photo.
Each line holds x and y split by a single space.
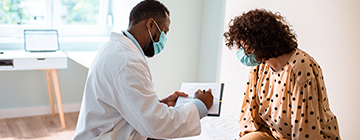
148 9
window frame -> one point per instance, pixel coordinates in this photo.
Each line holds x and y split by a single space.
52 18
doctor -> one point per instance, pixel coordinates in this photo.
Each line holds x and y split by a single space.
119 101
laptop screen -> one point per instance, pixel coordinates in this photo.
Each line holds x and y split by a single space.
41 40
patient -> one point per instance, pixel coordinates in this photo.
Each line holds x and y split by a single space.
285 95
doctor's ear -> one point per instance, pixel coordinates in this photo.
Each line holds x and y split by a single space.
150 23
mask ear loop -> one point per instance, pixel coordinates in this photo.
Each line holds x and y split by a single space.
151 36
150 32
157 26
236 46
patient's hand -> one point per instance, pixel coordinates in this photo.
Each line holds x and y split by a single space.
171 99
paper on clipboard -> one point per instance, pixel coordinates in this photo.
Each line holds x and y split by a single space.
191 88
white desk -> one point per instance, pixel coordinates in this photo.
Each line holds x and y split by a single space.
83 58
47 61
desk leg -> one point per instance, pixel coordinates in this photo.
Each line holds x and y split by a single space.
58 96
51 95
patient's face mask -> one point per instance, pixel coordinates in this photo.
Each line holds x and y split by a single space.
247 60
158 46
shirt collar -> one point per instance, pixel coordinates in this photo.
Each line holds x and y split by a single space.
128 35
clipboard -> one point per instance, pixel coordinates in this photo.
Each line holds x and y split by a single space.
217 91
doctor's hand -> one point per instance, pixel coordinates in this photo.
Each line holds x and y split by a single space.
171 99
206 97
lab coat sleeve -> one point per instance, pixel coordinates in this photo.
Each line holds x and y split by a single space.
138 104
202 110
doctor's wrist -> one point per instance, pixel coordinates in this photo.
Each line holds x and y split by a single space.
202 109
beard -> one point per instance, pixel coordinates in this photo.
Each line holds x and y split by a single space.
150 52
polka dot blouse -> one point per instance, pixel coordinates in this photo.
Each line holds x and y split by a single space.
291 102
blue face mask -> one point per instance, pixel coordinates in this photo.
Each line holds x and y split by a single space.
246 60
158 46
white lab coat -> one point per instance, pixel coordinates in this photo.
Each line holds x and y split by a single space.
120 103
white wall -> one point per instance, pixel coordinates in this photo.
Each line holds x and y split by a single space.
211 40
178 61
327 30
193 46
20 89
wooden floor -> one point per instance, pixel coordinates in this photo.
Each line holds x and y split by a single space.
45 127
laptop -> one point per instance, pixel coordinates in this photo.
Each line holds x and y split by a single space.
41 40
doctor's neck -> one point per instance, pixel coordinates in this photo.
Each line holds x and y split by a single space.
138 32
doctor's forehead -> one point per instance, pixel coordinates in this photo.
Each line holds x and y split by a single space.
167 23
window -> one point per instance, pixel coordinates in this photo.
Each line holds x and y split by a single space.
86 18
76 12
22 12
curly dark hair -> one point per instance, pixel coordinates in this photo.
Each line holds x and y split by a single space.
148 9
266 34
